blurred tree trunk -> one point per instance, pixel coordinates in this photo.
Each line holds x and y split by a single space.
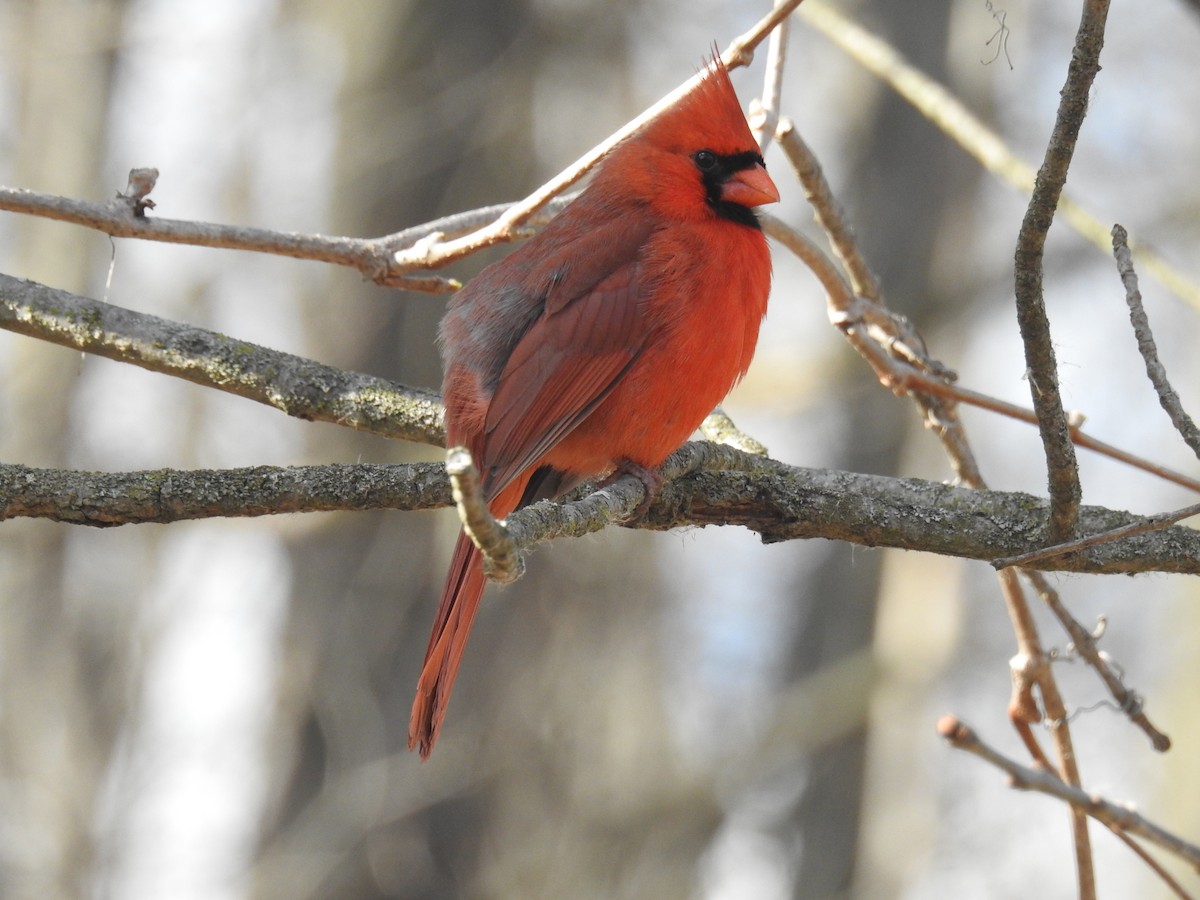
435 118
61 656
906 173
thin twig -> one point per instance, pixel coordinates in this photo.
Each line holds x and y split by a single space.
1157 373
720 429
1030 668
889 343
1129 702
501 556
370 256
1118 818
901 377
945 111
1149 523
433 254
827 210
764 113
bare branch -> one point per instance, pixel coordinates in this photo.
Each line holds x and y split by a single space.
782 502
172 495
434 253
829 213
1120 819
370 256
1149 523
1030 669
1167 398
914 380
1084 643
945 111
299 387
1062 469
764 113
704 484
501 557
895 371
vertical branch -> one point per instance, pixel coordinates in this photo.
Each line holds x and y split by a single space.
764 115
1063 472
1030 669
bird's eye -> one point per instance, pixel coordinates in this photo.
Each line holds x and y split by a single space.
705 160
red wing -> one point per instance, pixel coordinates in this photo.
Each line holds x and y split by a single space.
567 362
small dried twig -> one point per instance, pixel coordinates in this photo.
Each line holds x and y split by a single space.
720 429
1119 819
1157 373
1085 644
828 212
502 560
886 340
914 380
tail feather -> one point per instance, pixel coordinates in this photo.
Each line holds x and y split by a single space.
451 628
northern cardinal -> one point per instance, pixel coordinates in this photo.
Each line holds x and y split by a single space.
602 343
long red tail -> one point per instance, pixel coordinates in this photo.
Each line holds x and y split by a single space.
456 612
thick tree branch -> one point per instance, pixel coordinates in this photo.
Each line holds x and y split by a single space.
170 495
299 387
708 484
783 502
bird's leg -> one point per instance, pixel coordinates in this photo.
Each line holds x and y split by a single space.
651 479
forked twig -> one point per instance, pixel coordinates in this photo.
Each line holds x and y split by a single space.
1119 819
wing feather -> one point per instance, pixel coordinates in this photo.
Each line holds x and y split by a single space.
564 365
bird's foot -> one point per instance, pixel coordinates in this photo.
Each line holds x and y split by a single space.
651 480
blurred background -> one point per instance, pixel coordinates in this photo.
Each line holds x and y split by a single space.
218 709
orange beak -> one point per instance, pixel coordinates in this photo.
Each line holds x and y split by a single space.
750 187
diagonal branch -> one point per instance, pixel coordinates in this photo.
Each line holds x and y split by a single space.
370 256
960 124
1167 398
1120 819
435 253
299 387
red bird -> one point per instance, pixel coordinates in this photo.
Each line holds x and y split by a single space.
603 342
